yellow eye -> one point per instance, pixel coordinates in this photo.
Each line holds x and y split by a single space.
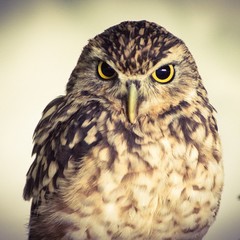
105 72
164 74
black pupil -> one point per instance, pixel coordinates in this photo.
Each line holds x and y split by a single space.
107 70
163 72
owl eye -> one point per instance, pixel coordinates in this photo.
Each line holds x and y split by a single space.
164 74
105 71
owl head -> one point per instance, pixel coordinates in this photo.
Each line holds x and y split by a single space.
137 66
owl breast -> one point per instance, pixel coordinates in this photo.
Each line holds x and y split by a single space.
146 185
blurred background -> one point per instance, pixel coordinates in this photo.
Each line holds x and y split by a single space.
40 42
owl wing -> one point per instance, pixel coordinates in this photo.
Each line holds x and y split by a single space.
59 137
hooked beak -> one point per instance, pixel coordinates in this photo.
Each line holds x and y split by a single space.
132 102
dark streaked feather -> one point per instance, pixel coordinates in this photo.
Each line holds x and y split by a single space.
55 144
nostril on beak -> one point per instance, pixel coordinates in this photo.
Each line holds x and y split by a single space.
136 82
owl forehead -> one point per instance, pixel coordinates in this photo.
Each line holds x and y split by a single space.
135 47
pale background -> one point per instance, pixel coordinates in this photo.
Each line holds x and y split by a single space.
40 42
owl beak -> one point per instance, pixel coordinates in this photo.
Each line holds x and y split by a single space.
132 102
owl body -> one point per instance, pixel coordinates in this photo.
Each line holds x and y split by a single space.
122 156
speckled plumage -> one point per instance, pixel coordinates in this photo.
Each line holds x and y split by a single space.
99 173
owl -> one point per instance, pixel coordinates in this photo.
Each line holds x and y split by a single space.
132 150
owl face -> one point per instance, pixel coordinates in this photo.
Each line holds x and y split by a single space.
136 65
